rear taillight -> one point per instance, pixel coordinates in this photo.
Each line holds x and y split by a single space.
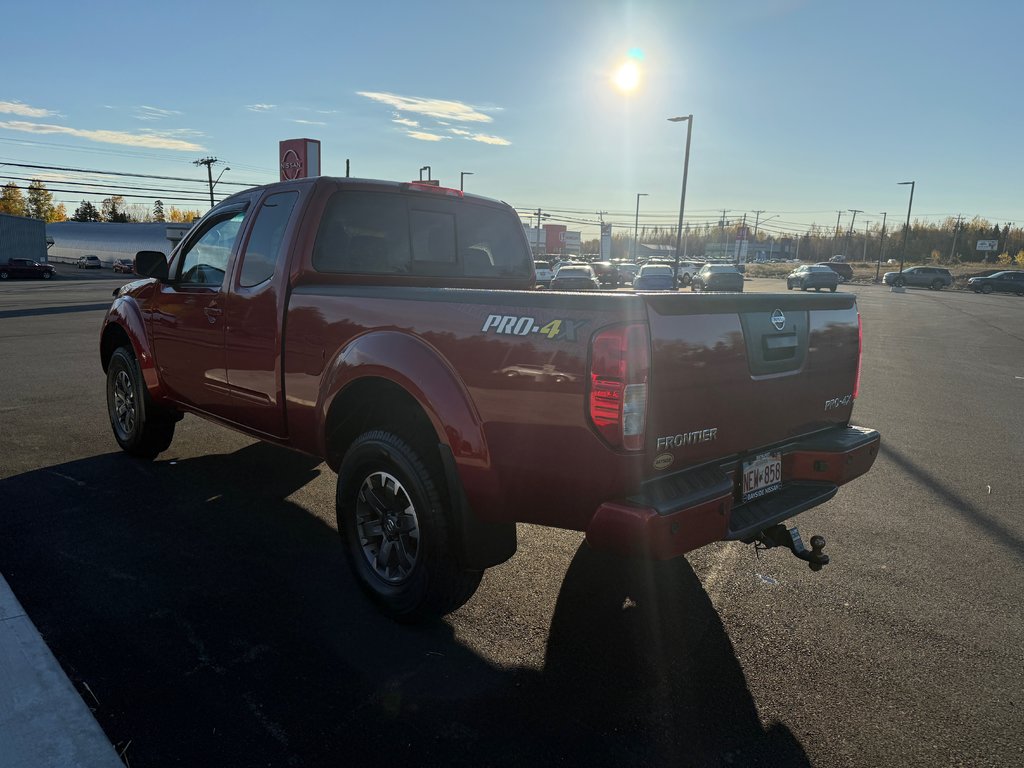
860 355
619 367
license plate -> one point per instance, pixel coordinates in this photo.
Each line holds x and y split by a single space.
761 475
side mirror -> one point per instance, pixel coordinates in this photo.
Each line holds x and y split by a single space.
151 264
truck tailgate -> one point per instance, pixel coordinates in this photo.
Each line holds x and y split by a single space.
734 373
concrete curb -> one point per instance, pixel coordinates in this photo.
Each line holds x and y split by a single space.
43 721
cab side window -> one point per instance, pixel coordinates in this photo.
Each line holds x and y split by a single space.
263 251
206 260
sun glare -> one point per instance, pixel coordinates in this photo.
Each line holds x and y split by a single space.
627 76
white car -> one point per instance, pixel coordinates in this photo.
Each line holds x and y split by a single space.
544 272
687 269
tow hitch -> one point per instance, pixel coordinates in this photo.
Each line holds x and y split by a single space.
780 536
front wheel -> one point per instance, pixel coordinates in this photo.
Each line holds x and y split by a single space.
898 282
398 536
986 289
140 428
4 274
47 275
833 288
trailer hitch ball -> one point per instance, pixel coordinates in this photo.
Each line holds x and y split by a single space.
780 536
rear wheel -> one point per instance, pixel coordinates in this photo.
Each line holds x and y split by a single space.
140 428
400 544
986 289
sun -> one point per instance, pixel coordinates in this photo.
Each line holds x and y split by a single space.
627 76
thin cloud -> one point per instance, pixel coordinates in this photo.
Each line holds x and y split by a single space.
308 122
154 113
494 140
460 132
437 108
260 107
424 136
150 140
24 110
406 121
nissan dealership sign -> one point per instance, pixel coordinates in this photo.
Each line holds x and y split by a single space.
299 158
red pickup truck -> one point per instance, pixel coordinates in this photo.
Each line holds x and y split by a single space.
388 328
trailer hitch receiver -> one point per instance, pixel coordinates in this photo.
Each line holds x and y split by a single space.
780 536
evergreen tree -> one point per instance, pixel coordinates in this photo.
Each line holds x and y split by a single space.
158 211
113 209
86 212
11 200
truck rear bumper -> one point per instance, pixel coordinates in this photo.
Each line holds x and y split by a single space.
684 511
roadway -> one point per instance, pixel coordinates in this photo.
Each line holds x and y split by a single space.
202 608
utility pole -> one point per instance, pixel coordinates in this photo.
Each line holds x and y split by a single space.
756 220
208 161
881 246
741 238
849 232
956 232
839 215
866 230
721 239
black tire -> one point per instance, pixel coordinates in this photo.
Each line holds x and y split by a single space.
898 282
140 428
803 287
381 479
937 285
4 274
47 275
833 288
986 288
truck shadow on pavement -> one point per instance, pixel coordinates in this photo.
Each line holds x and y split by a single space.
208 620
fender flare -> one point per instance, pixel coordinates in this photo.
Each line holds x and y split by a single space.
423 373
126 315
418 368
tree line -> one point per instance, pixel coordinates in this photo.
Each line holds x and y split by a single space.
37 203
951 241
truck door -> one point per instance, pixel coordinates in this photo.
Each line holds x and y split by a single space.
188 315
255 318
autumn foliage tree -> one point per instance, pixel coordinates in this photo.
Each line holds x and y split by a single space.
12 201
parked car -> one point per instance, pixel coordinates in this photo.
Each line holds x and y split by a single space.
934 278
89 262
654 277
26 268
687 269
844 270
717 277
126 266
1011 281
577 277
627 271
814 276
607 272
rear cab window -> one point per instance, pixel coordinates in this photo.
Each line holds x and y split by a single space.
378 233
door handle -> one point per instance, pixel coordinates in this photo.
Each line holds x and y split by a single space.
213 312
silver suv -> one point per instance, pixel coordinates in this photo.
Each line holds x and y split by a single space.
933 278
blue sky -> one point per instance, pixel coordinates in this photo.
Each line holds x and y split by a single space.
801 108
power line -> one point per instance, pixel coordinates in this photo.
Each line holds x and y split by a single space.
122 173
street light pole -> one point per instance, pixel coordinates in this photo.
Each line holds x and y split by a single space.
906 231
636 221
427 169
682 198
462 176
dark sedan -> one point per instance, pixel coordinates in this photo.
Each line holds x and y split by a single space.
26 268
717 277
816 276
578 277
1011 281
654 277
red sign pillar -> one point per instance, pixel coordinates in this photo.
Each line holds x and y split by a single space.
299 158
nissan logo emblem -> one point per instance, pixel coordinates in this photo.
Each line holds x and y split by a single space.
778 320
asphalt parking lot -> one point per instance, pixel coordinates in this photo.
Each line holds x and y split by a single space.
201 606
